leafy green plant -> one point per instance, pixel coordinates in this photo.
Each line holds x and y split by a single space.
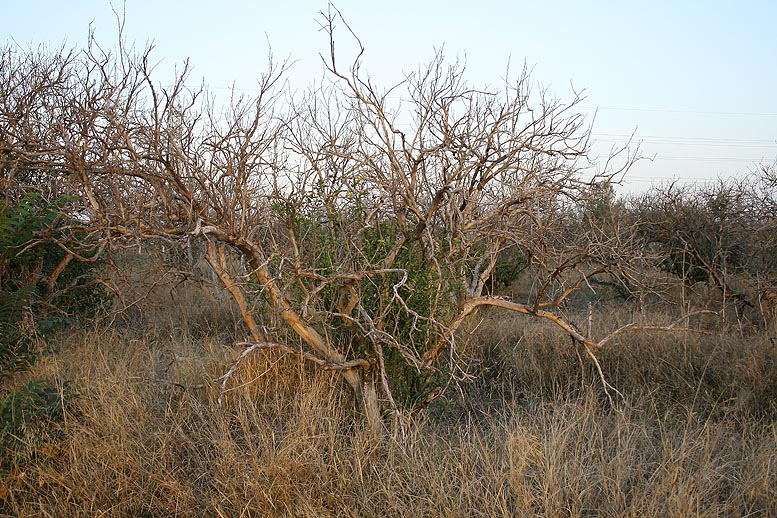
41 289
16 354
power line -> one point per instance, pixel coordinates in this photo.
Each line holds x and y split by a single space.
709 159
695 158
690 139
653 179
697 144
675 178
667 110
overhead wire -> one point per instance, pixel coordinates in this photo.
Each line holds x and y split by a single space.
672 110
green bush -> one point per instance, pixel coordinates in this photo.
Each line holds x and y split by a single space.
34 301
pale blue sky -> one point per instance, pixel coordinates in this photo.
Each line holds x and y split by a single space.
696 80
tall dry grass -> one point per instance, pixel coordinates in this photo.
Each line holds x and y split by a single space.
534 436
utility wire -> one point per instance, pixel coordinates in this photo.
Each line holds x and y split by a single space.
689 139
664 110
693 144
694 158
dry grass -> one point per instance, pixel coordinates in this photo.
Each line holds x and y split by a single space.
535 436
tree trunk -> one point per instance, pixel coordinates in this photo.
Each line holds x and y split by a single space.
367 399
218 264
361 381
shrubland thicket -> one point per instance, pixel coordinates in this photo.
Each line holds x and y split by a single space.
423 300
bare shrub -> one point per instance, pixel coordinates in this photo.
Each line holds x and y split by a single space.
367 228
721 234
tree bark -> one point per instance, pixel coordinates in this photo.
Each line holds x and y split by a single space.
359 379
218 263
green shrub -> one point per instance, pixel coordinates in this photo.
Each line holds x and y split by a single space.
36 299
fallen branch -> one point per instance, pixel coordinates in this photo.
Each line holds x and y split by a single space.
628 328
473 304
168 382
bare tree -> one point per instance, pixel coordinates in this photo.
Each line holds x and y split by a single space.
720 234
370 220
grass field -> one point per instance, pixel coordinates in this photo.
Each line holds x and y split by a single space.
534 435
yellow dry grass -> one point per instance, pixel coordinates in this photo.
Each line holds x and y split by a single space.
535 436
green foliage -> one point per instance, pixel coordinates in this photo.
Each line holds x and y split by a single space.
32 304
510 265
422 296
411 332
601 204
707 232
29 255
16 353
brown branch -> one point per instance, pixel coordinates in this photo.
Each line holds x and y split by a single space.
217 261
584 279
328 365
632 327
52 279
472 305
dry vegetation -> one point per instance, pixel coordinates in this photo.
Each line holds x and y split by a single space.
534 435
340 304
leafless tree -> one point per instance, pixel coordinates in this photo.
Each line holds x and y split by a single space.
720 234
370 220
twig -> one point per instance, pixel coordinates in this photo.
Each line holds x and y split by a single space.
605 384
225 378
168 382
670 328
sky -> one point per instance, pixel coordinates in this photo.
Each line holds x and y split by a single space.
694 81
